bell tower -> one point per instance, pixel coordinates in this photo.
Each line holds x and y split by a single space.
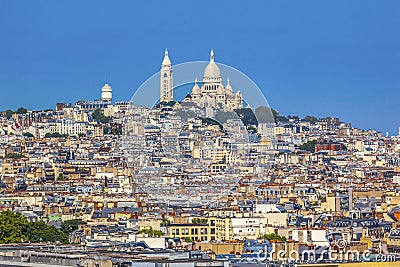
166 81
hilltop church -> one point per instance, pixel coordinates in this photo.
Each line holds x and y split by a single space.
212 92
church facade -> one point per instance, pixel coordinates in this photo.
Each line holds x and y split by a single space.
211 94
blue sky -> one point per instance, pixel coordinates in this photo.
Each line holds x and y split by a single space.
322 58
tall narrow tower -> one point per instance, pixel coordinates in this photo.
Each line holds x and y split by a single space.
166 81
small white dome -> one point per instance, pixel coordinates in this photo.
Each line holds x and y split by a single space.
196 89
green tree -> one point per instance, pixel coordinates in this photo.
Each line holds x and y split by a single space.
247 116
99 116
151 233
210 121
9 113
309 146
199 221
41 232
266 114
28 135
188 239
67 227
294 117
275 237
12 227
13 156
55 135
60 177
311 119
15 228
116 131
169 104
252 129
165 222
223 116
21 110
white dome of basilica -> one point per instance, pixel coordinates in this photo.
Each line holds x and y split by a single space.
212 72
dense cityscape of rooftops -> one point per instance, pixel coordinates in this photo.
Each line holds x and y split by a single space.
199 181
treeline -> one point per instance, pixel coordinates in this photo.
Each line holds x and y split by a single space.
13 156
151 233
15 228
264 112
9 112
268 115
55 135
